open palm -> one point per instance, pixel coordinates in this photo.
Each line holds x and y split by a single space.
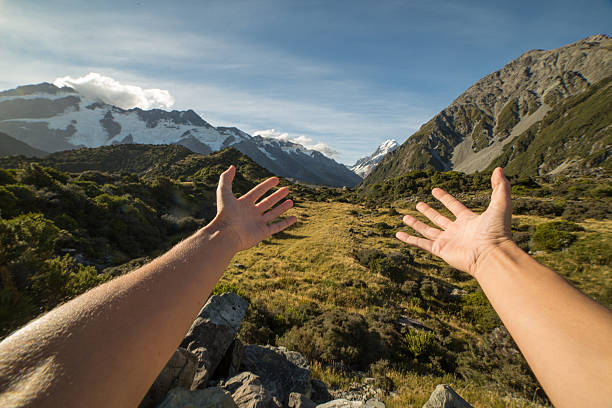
251 221
463 242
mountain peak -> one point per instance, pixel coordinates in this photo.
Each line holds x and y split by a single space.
365 165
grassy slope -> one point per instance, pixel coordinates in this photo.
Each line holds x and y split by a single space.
309 263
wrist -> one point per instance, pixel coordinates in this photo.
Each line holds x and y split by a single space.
506 249
220 230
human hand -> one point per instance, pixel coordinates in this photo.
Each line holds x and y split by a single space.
463 243
249 221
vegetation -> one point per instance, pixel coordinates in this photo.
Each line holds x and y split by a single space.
337 287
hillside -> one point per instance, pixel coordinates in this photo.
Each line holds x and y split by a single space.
486 119
11 146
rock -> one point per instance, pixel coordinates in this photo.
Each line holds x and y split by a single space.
319 393
409 323
445 397
213 397
374 403
456 292
297 400
212 332
281 371
230 364
248 391
342 403
178 372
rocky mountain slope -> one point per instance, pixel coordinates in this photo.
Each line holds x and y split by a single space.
487 119
365 165
52 119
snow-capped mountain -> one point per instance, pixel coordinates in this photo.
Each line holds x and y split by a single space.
51 119
365 165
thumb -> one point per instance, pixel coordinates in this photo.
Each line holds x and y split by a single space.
500 198
225 182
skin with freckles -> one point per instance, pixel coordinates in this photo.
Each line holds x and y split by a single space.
106 347
565 336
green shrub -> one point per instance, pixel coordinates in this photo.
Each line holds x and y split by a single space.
419 342
477 310
553 236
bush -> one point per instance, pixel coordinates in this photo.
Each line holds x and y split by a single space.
553 236
478 311
379 371
419 342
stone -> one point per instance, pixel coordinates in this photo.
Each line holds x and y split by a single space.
248 391
213 397
281 371
178 372
374 403
445 397
297 400
230 364
319 393
342 403
212 332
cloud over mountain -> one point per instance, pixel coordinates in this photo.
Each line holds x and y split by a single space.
111 91
301 139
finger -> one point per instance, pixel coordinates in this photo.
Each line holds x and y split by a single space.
500 197
226 179
272 199
282 224
259 190
433 216
415 241
449 202
277 211
421 227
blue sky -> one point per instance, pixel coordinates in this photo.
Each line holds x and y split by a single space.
349 74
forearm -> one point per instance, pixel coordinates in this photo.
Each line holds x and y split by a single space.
546 317
117 336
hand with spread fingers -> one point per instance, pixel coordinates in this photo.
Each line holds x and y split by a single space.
250 218
464 242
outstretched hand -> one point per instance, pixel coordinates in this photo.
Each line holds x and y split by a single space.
247 219
463 243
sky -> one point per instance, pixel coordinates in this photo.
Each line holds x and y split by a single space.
339 76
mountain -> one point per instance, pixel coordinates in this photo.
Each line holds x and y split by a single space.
53 119
491 118
365 165
11 146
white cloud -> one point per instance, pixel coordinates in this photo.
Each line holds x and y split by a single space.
301 139
111 91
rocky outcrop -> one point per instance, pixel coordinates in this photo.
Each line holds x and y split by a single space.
445 397
178 372
214 397
213 332
281 371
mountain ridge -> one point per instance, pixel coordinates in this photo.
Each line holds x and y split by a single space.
53 119
479 122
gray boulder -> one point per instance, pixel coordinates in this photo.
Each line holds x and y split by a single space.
281 371
445 397
178 372
248 391
374 403
212 332
297 400
213 397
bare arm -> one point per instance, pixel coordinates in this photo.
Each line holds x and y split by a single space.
106 347
565 336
